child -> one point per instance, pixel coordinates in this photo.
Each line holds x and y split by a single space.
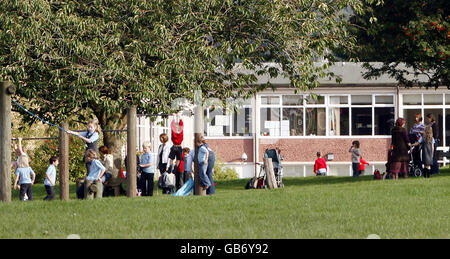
90 138
26 176
320 166
50 178
93 183
19 151
148 169
356 153
188 163
427 146
362 166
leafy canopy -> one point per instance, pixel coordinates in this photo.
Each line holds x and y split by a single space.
68 57
414 33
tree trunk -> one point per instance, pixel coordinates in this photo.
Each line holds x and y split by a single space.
114 141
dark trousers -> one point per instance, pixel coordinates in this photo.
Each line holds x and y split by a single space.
179 179
210 172
355 167
26 188
50 192
147 184
435 166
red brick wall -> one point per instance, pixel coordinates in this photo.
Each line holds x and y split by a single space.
231 150
302 150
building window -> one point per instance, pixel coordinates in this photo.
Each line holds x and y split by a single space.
436 104
315 122
438 116
412 99
432 99
270 122
292 123
339 121
361 121
220 122
410 117
327 115
242 122
384 120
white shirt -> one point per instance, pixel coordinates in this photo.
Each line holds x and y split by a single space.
165 155
51 173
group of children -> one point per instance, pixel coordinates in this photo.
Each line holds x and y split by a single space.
25 176
358 163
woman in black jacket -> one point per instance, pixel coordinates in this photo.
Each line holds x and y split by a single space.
400 143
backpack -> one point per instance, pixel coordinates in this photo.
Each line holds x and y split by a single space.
166 180
376 175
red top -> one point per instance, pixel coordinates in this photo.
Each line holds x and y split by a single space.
362 164
177 134
320 163
181 165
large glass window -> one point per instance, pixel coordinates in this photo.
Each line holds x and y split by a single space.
270 122
315 122
219 123
410 117
437 113
361 121
339 121
242 122
292 123
384 120
327 115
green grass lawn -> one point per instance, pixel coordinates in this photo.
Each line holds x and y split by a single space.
311 207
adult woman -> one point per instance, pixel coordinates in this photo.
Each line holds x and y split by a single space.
400 144
162 158
203 155
415 134
431 121
418 127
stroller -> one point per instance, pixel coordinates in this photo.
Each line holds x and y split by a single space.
415 161
261 180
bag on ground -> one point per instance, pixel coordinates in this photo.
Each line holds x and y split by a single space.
186 189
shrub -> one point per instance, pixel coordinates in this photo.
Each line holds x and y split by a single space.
224 173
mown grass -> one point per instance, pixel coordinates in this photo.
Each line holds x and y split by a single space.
311 207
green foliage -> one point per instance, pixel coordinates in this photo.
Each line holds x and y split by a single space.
414 33
224 173
104 56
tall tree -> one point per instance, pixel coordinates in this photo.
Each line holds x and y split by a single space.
72 57
410 38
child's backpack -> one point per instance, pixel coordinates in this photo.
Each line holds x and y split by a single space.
376 175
